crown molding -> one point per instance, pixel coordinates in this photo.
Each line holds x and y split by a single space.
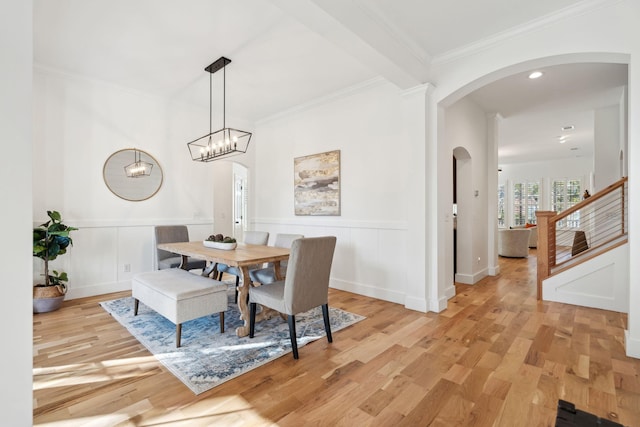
394 31
488 42
423 88
343 93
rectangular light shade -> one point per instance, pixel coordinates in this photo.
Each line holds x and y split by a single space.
222 143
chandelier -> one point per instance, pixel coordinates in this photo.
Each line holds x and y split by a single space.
222 143
138 168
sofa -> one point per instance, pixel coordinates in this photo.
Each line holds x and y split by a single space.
514 242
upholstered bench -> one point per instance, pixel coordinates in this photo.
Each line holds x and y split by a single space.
179 296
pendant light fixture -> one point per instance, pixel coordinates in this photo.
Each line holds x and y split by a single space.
138 169
225 142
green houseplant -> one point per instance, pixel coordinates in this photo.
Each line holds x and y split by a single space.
50 240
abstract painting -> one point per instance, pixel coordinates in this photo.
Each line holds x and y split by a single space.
317 184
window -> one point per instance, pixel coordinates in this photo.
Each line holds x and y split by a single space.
564 194
525 202
501 214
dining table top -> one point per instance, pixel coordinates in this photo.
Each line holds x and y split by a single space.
243 255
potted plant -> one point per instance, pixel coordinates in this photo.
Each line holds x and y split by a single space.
50 240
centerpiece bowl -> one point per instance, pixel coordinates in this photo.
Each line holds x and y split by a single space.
220 245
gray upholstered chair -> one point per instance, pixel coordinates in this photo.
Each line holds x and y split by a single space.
250 238
305 287
514 243
174 234
268 274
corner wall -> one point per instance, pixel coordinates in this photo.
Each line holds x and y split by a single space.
466 127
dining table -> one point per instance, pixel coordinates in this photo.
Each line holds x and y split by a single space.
244 256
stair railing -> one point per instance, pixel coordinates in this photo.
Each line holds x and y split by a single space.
595 225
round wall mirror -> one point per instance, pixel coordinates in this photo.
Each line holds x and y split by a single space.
132 174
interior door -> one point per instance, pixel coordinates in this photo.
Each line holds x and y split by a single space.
239 206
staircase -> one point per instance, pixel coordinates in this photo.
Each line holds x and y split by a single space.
583 255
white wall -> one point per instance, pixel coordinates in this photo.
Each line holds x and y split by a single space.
560 39
466 127
607 143
578 167
78 124
366 126
222 198
16 306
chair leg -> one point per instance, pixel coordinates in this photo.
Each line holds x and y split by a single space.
252 319
136 303
327 325
238 284
211 268
222 322
291 319
178 334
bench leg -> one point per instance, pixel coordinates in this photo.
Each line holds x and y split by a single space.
178 334
222 322
136 303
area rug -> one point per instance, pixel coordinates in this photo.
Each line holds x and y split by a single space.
207 358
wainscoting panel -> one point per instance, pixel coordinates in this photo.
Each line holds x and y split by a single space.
601 282
105 256
370 257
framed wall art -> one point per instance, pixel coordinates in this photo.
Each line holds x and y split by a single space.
317 184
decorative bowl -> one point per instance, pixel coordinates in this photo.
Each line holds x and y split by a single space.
220 245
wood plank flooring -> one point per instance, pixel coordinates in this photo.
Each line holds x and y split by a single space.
496 356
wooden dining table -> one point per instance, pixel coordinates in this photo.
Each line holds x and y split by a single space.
243 257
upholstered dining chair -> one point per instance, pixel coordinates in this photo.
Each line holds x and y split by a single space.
174 234
305 287
250 238
268 274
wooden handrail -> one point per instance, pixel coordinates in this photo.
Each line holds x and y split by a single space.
600 194
547 220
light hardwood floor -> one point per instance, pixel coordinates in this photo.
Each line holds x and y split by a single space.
496 356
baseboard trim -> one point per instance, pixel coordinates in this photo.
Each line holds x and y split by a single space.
471 279
368 291
100 289
467 279
632 346
450 292
416 304
438 305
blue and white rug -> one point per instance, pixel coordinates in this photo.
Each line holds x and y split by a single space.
207 358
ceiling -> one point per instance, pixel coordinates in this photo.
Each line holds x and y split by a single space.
290 52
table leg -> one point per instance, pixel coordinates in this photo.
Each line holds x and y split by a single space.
183 262
276 266
243 292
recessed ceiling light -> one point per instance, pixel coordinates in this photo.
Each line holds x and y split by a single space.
535 74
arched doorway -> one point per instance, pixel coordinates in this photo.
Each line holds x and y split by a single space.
484 263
